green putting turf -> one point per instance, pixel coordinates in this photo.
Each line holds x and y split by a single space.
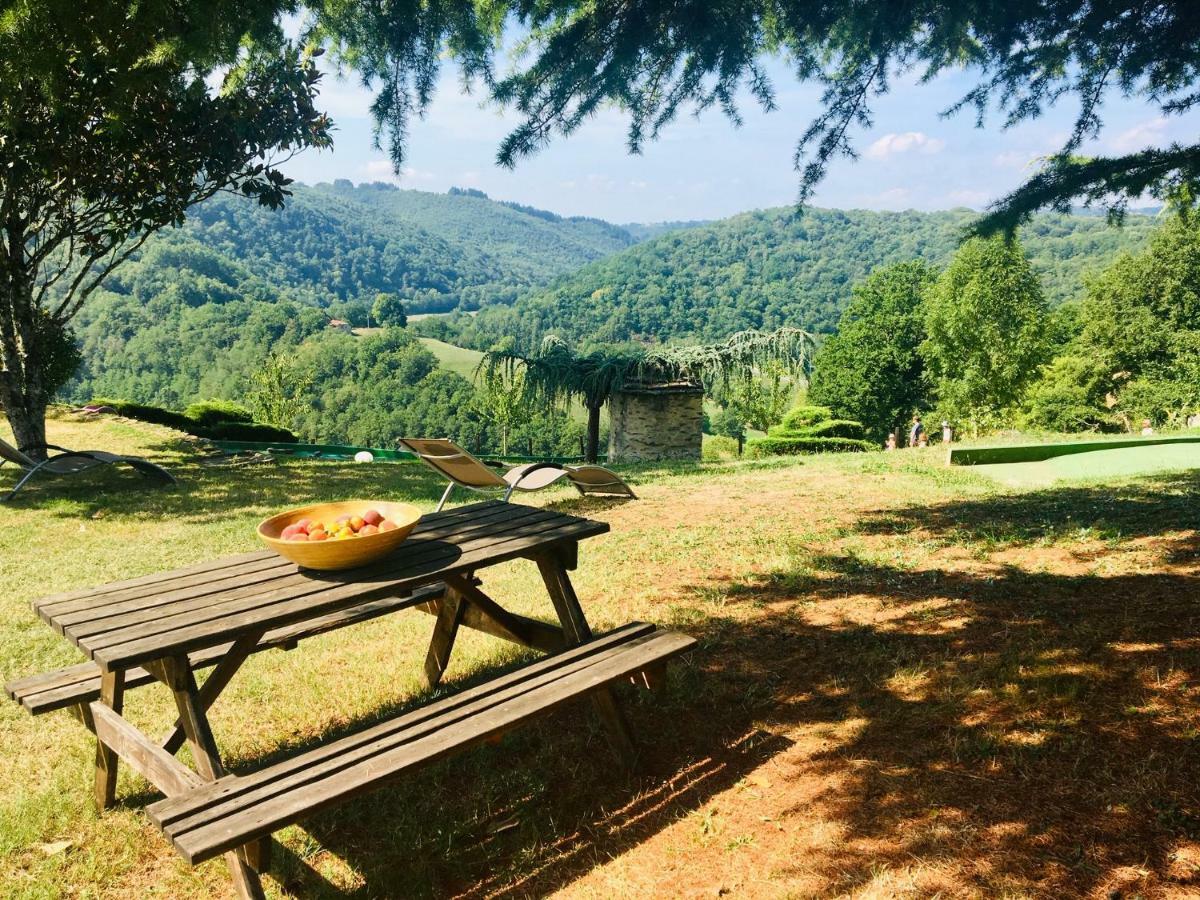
1096 465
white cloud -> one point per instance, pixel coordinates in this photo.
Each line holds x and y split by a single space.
1140 135
381 170
893 143
968 198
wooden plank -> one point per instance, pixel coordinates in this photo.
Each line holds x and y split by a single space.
441 643
90 595
112 695
145 757
167 812
216 682
485 614
575 626
213 802
159 615
287 607
182 681
70 686
202 840
198 593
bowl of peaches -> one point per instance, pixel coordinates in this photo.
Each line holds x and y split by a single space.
342 535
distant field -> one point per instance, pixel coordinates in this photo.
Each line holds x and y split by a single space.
456 359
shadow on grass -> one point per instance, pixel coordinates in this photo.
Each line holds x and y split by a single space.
1027 732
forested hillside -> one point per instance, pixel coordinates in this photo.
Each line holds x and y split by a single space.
770 268
336 243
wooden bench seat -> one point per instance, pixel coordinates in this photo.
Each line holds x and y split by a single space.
80 684
236 809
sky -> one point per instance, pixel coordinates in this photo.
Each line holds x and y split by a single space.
705 168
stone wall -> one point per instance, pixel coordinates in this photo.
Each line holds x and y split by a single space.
656 424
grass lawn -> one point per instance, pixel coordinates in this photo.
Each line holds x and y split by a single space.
457 359
911 681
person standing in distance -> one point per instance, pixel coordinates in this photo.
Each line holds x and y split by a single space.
915 432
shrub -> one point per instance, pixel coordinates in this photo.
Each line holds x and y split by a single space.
841 428
785 446
800 417
245 431
145 413
212 412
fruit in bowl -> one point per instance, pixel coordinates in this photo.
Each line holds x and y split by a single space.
330 536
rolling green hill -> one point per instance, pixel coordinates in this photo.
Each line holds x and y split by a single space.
337 242
770 268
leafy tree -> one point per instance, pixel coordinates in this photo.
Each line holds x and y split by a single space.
388 309
279 391
728 423
1069 395
768 268
985 321
502 400
759 399
656 58
108 132
596 374
871 370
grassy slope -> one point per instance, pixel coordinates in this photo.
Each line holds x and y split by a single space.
909 681
456 359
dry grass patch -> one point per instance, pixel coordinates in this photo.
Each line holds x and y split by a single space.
909 683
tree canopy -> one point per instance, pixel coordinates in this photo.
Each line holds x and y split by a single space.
109 131
871 370
986 334
655 59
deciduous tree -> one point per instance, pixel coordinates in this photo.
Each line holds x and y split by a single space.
985 321
109 131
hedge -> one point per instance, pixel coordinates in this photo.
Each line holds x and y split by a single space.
211 412
840 428
804 417
245 431
144 413
206 423
784 446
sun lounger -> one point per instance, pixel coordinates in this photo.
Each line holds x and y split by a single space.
464 470
69 462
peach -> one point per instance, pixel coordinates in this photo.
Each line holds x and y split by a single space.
388 525
317 535
356 523
302 524
372 517
367 529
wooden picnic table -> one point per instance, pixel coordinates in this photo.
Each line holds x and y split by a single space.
162 628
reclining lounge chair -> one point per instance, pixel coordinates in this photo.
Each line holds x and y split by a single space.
69 462
464 470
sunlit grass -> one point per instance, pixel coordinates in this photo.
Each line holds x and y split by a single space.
908 679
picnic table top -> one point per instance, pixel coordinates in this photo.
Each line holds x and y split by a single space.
131 622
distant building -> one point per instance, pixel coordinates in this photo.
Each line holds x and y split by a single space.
341 325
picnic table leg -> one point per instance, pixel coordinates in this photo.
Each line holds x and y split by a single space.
218 679
451 607
180 678
112 695
577 630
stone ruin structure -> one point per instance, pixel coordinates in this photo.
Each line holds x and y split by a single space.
656 420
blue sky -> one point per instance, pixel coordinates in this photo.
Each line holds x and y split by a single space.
704 168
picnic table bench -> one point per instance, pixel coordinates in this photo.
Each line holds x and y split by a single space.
164 627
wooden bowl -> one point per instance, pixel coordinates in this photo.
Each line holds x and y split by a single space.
344 554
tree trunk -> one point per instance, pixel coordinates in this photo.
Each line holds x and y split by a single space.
21 389
592 453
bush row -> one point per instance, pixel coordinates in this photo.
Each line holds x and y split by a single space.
811 429
782 446
212 419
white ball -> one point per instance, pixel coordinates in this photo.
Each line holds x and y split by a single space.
364 456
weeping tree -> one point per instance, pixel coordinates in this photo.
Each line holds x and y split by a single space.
558 372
